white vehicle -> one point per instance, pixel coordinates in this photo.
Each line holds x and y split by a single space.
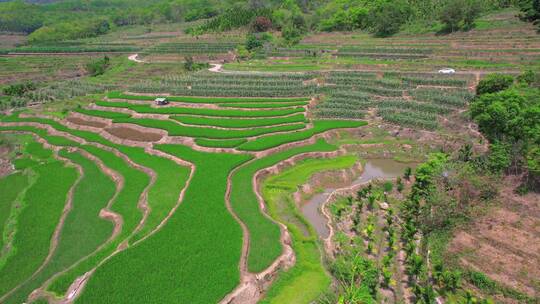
447 71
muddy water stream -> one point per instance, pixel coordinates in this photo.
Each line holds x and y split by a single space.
373 169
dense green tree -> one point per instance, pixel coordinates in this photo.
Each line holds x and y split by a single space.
98 67
388 17
494 83
459 14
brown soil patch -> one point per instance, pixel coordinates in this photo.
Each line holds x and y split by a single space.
84 122
133 134
505 243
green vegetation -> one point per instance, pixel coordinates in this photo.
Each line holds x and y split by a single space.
43 203
119 95
102 114
226 143
494 83
263 105
98 67
212 245
509 119
319 126
125 205
264 234
307 279
176 129
286 80
171 177
239 123
11 187
199 111
83 230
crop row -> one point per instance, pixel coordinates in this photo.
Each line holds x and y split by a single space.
266 105
449 98
319 126
72 49
444 81
414 106
382 55
199 111
403 119
383 83
193 48
259 90
239 122
358 49
219 143
119 95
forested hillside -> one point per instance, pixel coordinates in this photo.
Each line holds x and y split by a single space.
47 21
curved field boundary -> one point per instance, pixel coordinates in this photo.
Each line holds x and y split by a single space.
90 136
176 129
119 95
125 205
254 286
199 111
85 227
239 122
319 126
277 190
211 248
171 176
44 203
265 236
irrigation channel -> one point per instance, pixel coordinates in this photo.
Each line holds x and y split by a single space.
373 169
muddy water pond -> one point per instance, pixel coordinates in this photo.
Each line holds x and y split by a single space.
373 169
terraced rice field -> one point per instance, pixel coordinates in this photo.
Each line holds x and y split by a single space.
188 193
